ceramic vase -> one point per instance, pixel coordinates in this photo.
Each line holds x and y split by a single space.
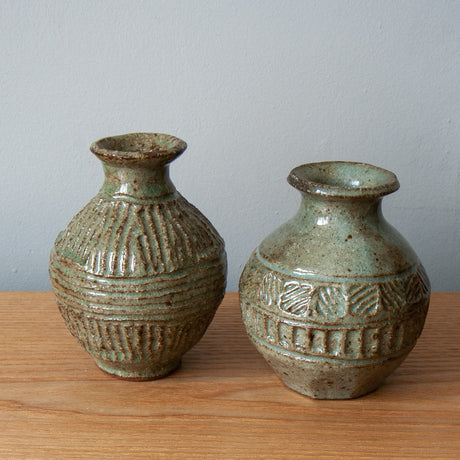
139 272
335 298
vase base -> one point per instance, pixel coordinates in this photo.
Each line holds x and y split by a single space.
331 381
137 372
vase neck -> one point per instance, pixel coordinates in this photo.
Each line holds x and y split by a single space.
322 211
137 184
136 165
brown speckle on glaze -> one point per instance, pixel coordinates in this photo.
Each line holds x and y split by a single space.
335 299
139 272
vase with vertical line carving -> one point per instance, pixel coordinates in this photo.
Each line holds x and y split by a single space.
335 298
139 272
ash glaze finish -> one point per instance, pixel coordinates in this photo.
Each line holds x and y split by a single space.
335 298
139 272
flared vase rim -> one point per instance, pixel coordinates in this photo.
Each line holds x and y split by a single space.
135 148
343 179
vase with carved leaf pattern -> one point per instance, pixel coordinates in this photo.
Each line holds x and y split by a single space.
335 298
139 272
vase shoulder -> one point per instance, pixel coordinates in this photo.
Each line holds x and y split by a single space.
353 250
117 238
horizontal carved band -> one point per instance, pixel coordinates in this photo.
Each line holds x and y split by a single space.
372 342
181 288
326 301
136 341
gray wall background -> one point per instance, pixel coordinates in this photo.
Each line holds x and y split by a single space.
255 87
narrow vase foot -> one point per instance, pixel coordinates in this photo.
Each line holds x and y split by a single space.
137 371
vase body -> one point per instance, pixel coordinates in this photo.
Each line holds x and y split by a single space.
139 272
335 298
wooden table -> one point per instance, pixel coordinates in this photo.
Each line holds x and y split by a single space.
224 402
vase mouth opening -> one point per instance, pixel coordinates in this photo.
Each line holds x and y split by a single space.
343 179
138 147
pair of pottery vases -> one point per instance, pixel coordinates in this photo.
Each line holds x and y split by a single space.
334 299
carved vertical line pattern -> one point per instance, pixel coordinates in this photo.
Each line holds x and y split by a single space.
169 335
178 234
137 341
190 220
172 239
143 252
97 333
360 342
148 246
123 334
165 250
68 243
78 229
378 341
343 342
403 331
180 336
308 341
106 342
324 341
91 237
102 239
153 238
147 340
139 252
172 334
276 331
86 336
122 219
126 235
116 344
184 226
110 266
80 330
160 343
393 336
139 261
177 223
382 340
266 329
185 249
132 342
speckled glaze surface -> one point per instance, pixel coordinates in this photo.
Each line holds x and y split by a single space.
335 298
139 272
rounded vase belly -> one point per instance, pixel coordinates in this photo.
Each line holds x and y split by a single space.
335 299
139 272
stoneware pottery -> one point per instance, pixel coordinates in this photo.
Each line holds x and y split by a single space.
139 272
335 298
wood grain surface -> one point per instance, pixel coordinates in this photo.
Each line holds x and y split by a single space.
224 402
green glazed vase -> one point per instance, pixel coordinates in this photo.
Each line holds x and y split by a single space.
139 272
335 298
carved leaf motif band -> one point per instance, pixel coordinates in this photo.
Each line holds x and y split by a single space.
313 299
